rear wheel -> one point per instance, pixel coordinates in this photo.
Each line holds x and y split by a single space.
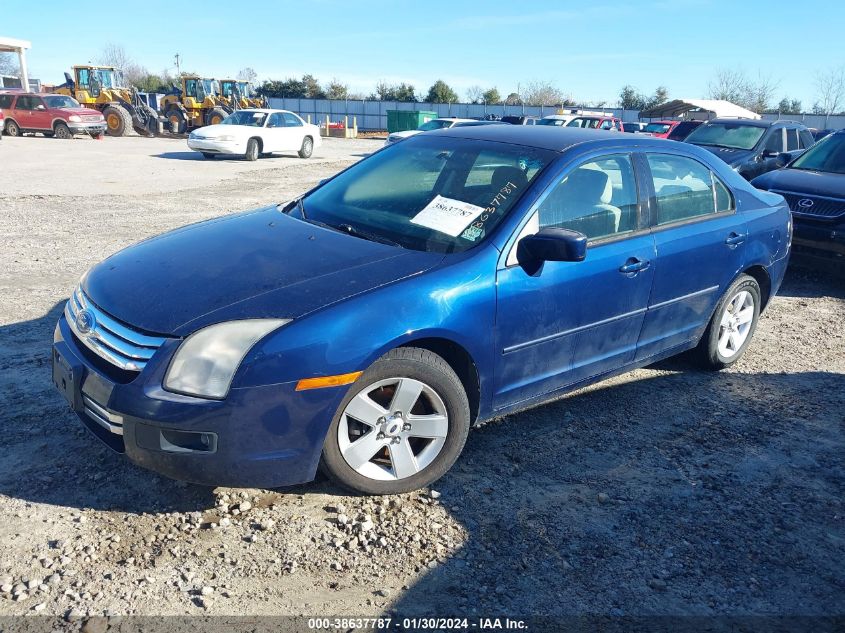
252 149
215 116
118 120
307 147
62 131
12 128
177 121
401 426
732 325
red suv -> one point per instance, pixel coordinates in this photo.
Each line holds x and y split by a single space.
48 114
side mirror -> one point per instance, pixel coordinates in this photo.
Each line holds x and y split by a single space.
768 153
783 158
550 245
40 106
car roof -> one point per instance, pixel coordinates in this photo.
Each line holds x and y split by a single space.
757 122
544 137
265 110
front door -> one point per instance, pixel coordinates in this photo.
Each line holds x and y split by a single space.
574 320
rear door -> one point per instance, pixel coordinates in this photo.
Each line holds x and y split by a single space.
25 114
700 241
574 320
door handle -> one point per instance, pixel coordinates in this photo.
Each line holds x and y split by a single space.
634 265
734 239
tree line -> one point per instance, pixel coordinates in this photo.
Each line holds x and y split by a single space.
756 93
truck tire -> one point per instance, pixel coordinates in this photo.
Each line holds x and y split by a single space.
118 120
215 116
176 121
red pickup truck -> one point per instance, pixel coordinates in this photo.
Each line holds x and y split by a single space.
48 114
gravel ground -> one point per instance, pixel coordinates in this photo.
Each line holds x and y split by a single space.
664 491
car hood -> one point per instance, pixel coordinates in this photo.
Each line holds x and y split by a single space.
260 264
79 111
812 183
729 155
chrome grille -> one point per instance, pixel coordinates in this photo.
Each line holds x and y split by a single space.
91 117
119 345
111 422
819 207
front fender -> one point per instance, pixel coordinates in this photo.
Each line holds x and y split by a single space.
454 301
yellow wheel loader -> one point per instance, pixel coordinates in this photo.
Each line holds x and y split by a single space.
102 88
195 103
241 94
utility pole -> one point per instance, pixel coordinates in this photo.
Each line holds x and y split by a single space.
178 70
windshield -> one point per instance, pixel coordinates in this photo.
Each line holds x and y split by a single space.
732 135
436 124
246 89
826 155
60 101
551 122
657 128
209 87
434 194
226 88
245 117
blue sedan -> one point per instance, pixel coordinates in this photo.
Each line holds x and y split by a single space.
455 277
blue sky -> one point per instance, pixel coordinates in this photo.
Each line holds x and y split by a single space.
589 49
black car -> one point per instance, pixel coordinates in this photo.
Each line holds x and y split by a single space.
683 130
814 186
752 147
519 120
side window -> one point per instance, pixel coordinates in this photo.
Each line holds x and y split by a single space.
807 139
683 188
291 120
724 199
598 198
84 78
791 139
276 120
25 103
775 141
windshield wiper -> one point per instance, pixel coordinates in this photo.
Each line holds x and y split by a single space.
351 230
718 145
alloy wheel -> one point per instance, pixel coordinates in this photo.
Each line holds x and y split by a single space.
735 324
393 429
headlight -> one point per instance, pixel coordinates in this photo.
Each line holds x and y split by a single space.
74 117
207 360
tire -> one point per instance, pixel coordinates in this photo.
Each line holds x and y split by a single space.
208 155
177 117
215 115
431 388
62 131
118 120
252 149
307 147
12 128
732 325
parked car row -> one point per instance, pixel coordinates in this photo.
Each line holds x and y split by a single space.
48 114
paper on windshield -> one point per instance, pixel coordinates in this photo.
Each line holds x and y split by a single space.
447 215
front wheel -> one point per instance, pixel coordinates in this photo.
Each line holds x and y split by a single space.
252 149
307 147
732 325
401 426
62 131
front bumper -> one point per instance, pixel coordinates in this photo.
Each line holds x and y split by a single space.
216 147
264 436
819 240
87 128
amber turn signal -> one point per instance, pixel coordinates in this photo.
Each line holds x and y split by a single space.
327 381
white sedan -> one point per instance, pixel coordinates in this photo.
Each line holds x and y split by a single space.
256 131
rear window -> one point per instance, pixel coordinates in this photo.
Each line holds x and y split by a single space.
682 130
6 101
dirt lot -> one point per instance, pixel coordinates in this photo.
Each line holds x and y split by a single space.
665 491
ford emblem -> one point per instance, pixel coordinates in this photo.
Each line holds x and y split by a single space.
85 321
805 203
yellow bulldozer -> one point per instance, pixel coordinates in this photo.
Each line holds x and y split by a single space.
241 94
103 88
195 103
